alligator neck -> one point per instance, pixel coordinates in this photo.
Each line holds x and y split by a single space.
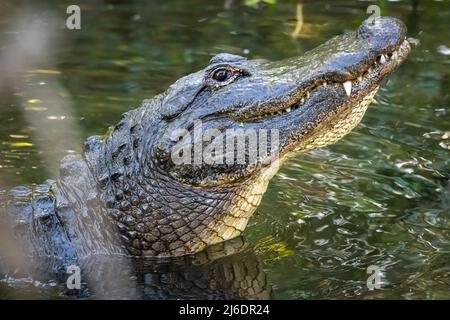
154 214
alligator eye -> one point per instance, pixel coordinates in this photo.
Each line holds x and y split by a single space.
222 75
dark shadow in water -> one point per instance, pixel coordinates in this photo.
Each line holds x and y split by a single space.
229 270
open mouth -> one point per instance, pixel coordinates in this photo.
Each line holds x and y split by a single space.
355 88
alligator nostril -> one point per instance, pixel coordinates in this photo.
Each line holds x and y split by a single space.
382 32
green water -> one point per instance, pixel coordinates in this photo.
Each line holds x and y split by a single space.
380 196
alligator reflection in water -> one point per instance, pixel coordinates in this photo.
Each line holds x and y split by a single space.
229 270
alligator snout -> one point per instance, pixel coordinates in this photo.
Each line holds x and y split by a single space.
384 33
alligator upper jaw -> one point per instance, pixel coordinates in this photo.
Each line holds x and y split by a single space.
352 90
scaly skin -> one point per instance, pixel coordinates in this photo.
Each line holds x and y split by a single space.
126 195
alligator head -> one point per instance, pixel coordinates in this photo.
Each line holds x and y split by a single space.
168 199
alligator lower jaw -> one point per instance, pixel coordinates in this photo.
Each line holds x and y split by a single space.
333 128
356 88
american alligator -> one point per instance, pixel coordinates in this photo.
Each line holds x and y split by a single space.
127 195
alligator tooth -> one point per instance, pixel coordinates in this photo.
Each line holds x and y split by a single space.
360 78
382 59
324 84
307 94
348 87
302 100
394 55
288 110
